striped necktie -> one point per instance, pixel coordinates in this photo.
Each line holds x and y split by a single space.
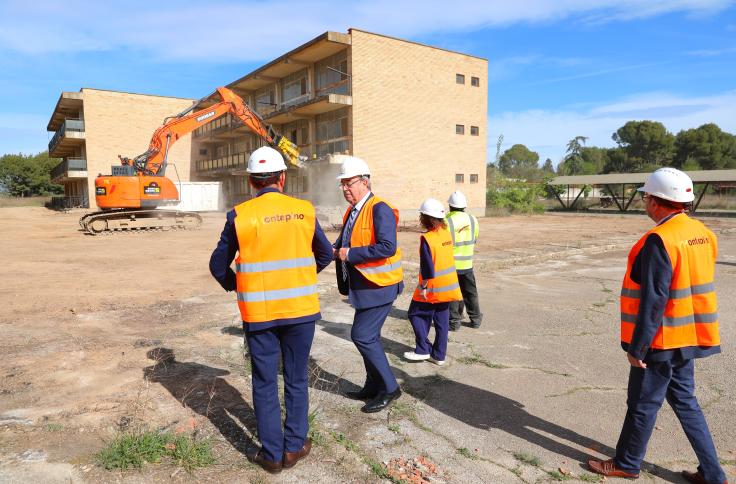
348 232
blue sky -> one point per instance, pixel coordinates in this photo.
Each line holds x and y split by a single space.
557 69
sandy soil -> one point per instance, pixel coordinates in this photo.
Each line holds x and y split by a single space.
85 321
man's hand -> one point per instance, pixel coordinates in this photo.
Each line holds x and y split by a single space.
343 254
634 362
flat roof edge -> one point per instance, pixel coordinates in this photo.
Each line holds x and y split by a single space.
350 30
330 36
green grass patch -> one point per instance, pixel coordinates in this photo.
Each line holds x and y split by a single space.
530 459
559 476
341 439
54 427
394 428
468 454
585 477
134 450
728 462
318 438
477 359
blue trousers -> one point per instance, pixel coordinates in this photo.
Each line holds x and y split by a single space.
675 381
292 343
422 315
366 334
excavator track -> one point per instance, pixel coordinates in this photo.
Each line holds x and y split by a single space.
111 221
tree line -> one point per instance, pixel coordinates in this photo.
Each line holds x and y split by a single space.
28 175
641 146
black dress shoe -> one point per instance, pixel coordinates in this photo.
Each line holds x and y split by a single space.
381 401
362 394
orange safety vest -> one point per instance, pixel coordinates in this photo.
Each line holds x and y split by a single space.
276 273
444 286
382 272
691 313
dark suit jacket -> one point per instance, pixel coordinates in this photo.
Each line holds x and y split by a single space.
362 292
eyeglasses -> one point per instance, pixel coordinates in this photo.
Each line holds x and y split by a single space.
644 196
345 186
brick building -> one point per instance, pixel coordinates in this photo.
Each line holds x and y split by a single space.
92 127
417 114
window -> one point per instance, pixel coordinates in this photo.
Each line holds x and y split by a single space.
474 81
297 132
473 178
203 151
265 100
332 132
459 129
294 88
331 74
474 131
459 178
460 78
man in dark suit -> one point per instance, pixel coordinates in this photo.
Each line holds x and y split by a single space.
369 271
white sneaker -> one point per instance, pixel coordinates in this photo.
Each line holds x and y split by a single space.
410 355
437 362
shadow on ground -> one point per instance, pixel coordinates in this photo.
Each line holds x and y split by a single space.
200 388
476 407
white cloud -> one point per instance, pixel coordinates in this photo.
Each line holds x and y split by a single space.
547 132
230 30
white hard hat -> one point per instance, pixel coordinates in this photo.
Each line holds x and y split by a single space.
433 208
353 166
266 160
457 200
669 184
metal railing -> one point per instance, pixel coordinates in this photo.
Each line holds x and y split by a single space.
68 125
70 164
223 162
61 203
340 87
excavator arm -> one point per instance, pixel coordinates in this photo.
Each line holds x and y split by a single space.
153 161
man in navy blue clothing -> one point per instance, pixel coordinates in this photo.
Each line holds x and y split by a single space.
370 265
668 319
280 248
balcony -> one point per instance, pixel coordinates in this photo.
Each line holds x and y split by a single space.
219 128
69 136
309 107
224 165
70 168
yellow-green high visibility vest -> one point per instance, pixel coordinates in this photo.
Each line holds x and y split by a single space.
464 231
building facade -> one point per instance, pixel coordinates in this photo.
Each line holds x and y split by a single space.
417 114
92 127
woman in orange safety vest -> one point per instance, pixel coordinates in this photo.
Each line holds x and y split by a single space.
438 286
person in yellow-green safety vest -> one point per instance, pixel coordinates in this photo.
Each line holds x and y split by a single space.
463 229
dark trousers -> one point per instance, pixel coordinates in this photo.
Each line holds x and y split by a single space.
469 302
675 381
366 334
422 315
292 343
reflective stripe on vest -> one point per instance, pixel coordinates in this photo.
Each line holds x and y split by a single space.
464 232
382 272
691 314
276 273
444 286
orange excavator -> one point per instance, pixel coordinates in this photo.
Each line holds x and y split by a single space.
128 198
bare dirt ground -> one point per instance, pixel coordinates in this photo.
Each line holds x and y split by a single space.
526 398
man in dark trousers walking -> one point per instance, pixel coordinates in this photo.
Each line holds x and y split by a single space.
369 268
280 248
668 319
